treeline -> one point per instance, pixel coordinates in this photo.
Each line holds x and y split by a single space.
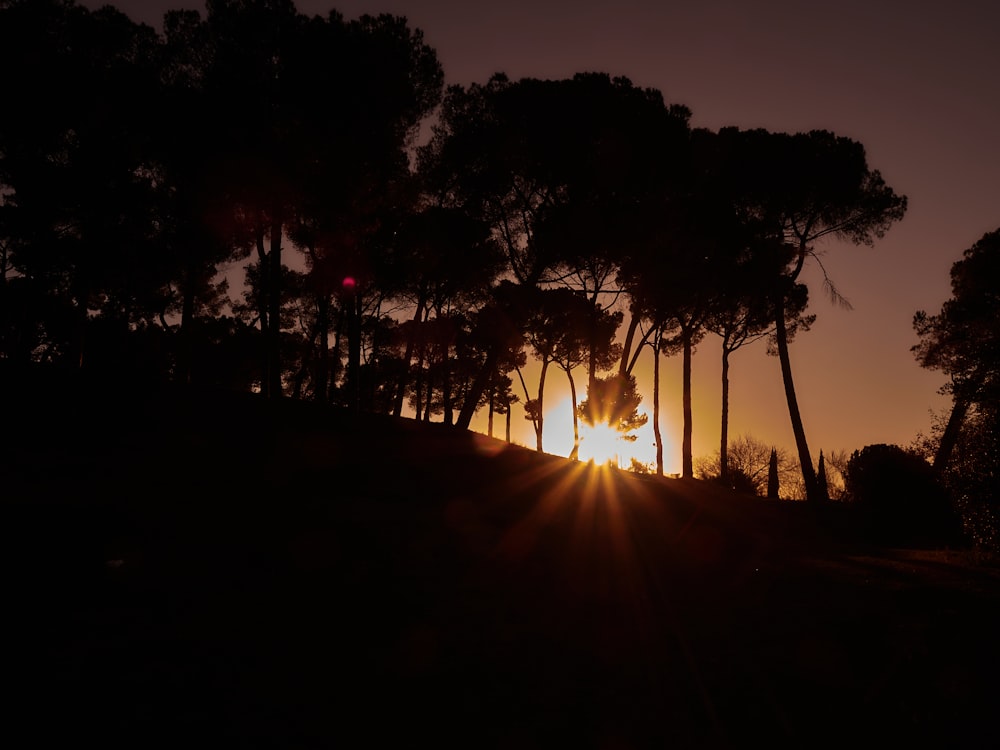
575 221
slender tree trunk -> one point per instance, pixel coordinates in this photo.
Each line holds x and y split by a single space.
273 339
404 376
724 432
468 409
510 408
656 405
540 421
687 462
261 297
805 460
960 407
592 362
633 324
446 383
354 350
489 417
574 454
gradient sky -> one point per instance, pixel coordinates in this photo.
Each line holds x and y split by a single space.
915 83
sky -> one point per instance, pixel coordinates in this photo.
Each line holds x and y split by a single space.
916 83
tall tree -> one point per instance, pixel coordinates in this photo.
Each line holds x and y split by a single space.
516 152
76 170
313 117
963 339
807 187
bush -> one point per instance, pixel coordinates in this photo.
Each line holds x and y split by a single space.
897 498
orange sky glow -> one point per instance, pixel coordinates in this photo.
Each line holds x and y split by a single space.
915 83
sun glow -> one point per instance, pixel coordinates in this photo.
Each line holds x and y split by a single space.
598 443
602 445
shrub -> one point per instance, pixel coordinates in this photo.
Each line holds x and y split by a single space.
897 498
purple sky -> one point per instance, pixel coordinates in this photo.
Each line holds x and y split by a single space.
914 82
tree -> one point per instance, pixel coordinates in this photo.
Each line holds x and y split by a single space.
899 498
962 340
670 279
824 487
557 331
773 482
741 314
516 153
312 119
442 259
807 187
76 171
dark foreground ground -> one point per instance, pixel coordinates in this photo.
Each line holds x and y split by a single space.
222 572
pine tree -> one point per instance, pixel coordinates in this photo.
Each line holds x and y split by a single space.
824 488
772 476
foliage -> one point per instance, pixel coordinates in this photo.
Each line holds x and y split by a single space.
749 466
963 341
898 498
257 135
614 401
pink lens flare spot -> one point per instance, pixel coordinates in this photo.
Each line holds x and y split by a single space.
349 282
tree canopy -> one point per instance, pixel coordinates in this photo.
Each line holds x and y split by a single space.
583 219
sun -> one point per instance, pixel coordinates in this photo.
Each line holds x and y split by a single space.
603 445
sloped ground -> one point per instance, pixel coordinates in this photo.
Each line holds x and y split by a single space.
222 571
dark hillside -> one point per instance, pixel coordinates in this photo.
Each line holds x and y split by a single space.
220 570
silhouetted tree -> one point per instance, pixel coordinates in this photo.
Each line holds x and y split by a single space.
899 498
741 310
824 487
313 117
76 170
515 153
444 259
807 187
963 342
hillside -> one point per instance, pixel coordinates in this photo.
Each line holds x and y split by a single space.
220 570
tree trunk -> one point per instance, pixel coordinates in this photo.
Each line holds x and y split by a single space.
687 462
623 367
273 336
261 298
805 460
540 421
656 406
489 416
949 438
446 383
354 350
468 409
724 432
404 376
575 453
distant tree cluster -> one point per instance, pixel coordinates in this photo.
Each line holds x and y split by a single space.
578 221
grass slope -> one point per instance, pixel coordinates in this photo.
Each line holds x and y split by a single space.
220 570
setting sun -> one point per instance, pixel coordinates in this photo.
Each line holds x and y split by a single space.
600 443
